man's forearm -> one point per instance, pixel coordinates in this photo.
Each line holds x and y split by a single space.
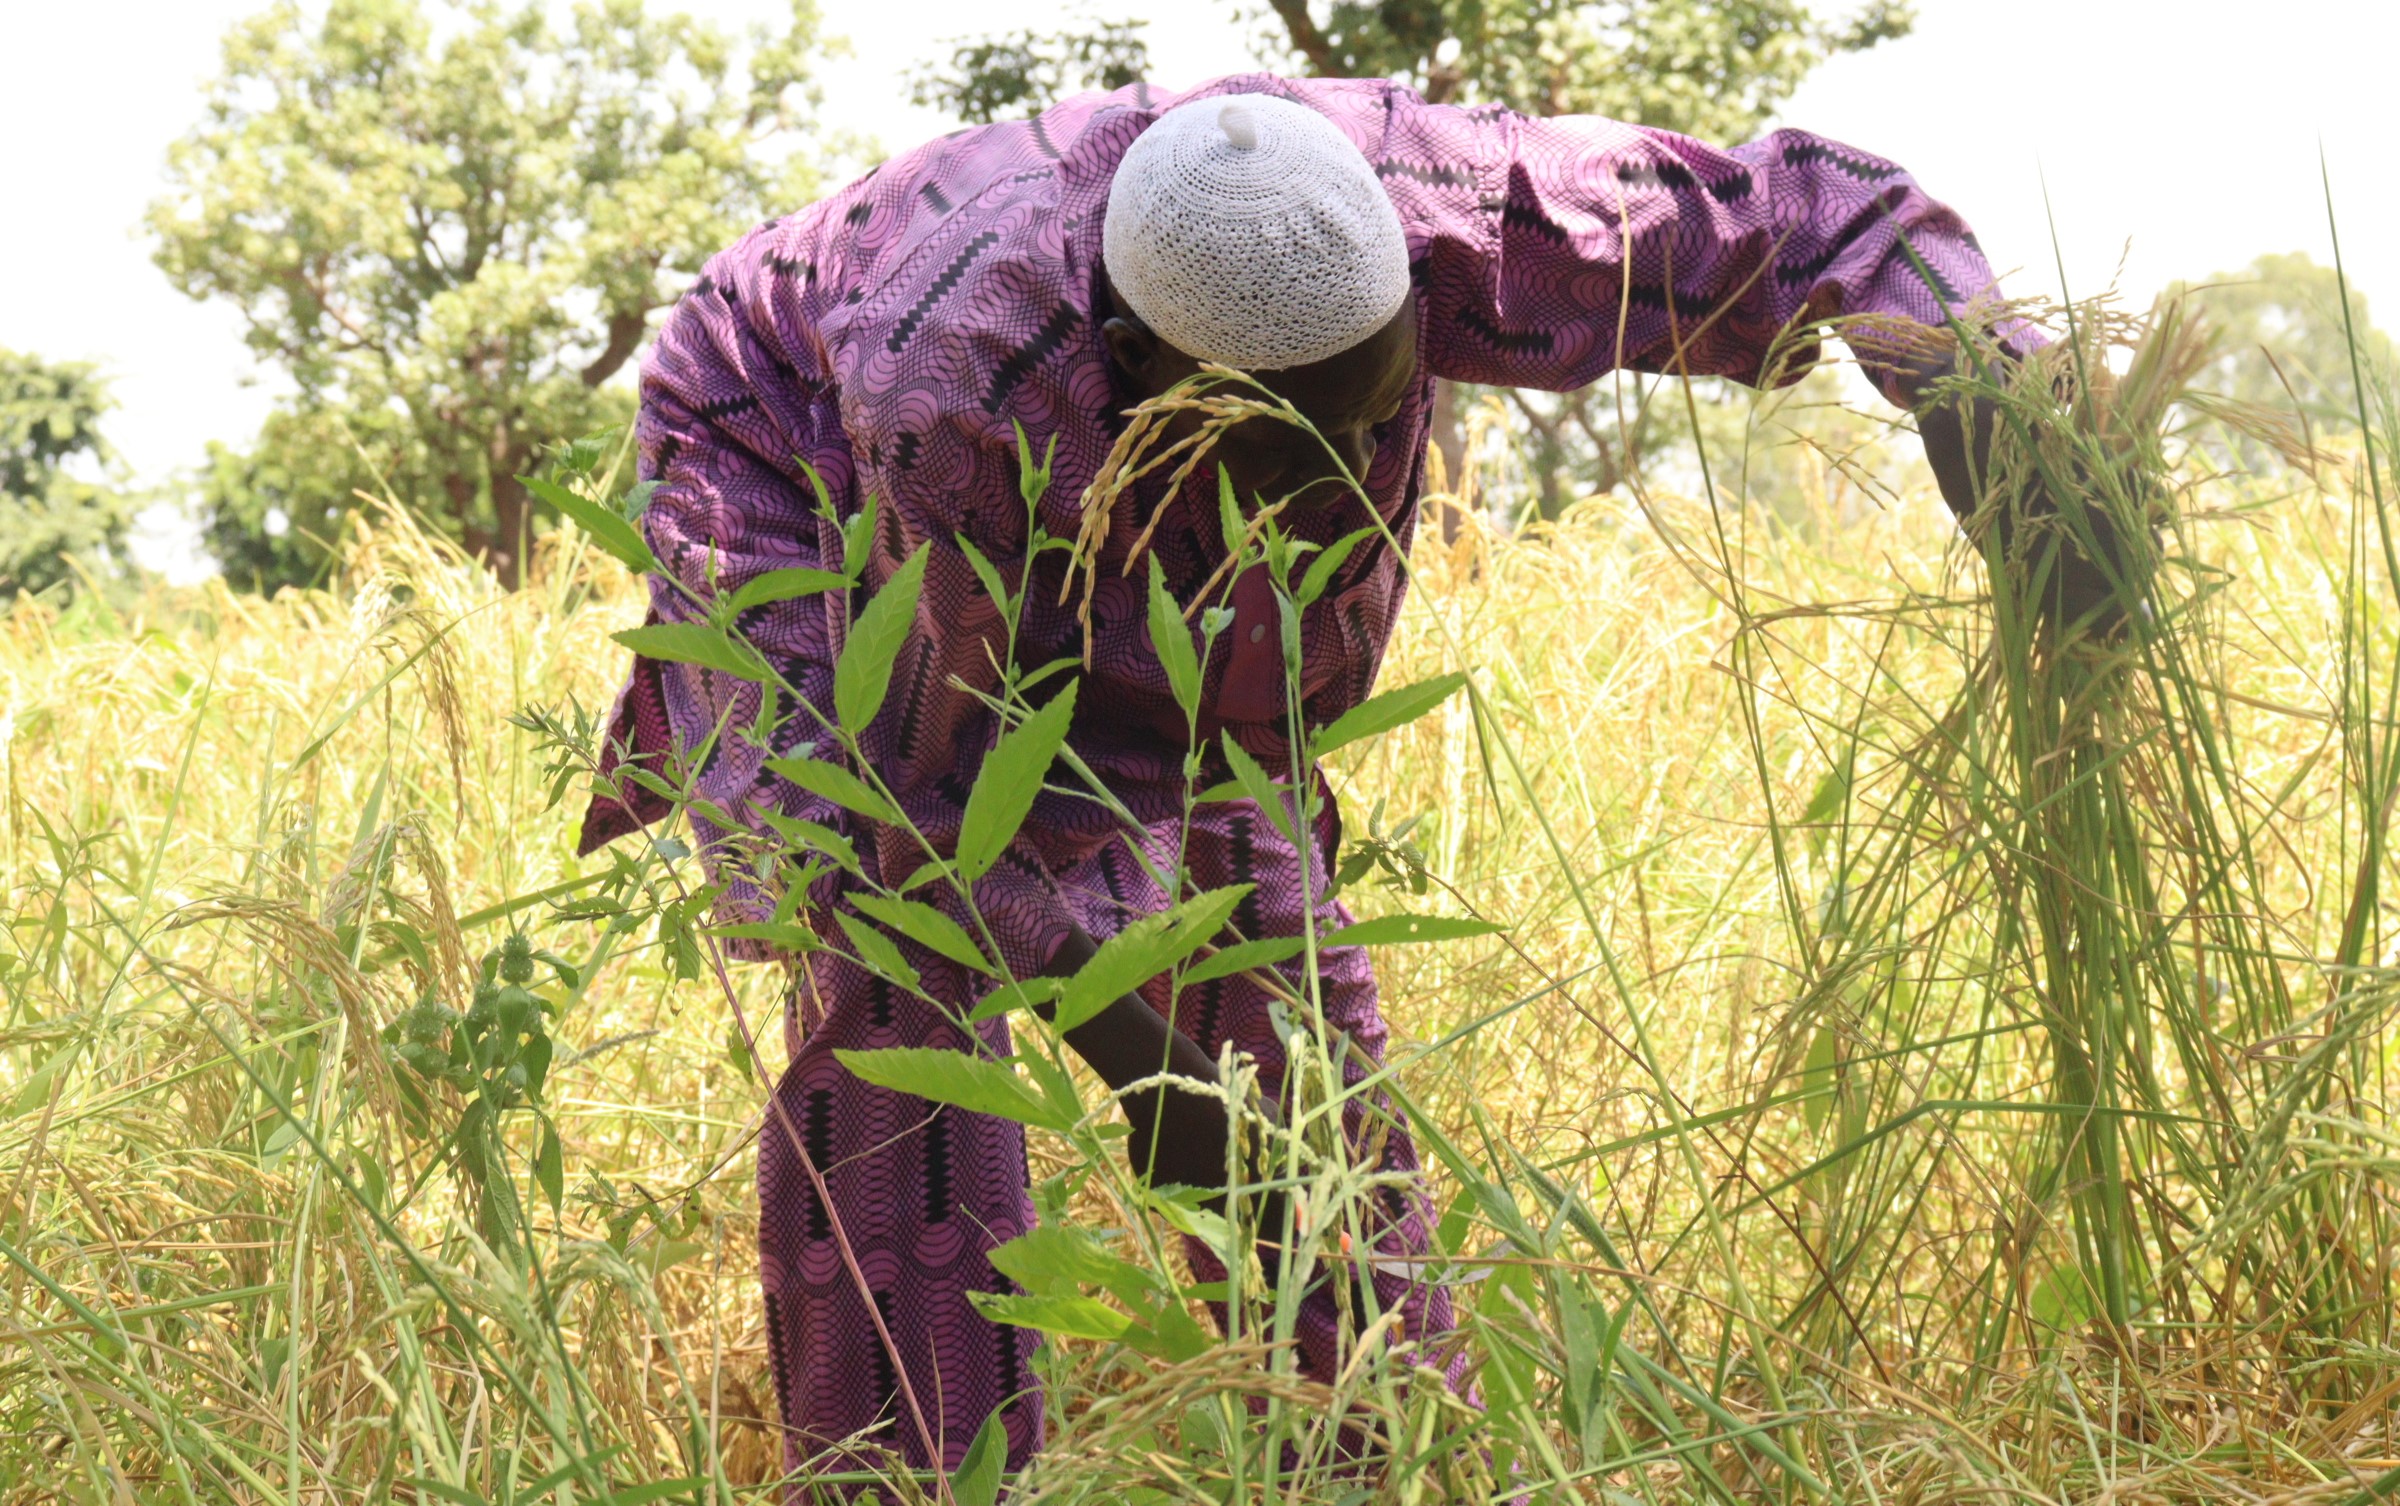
1957 431
2084 577
1178 1136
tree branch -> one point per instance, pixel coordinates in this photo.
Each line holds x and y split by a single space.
1310 42
625 329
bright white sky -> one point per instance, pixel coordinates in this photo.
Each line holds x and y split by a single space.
2179 140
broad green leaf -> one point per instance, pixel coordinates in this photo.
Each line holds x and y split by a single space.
37 1086
1059 1260
607 529
1229 510
1599 1418
877 950
836 784
1508 1371
1055 1085
1024 994
926 926
1320 569
653 1490
697 643
858 536
1144 949
1073 1317
1831 794
1581 1345
1033 481
790 938
976 1481
1242 956
1381 713
1008 782
812 836
2062 1300
1817 1076
976 1084
986 572
549 1168
816 485
1264 793
659 1255
1394 930
863 673
1173 641
1170 1334
1186 1211
785 585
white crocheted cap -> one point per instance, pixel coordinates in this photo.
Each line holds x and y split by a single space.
1248 231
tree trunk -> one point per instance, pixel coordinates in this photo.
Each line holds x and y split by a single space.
473 537
1307 39
503 542
511 539
1443 432
625 331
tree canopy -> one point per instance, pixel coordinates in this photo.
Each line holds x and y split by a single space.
451 225
2284 339
49 430
1024 72
1715 69
1710 68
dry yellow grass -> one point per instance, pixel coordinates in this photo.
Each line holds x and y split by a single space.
1688 1029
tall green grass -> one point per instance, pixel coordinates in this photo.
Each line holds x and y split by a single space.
1926 1054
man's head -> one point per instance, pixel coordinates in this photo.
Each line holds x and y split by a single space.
1247 230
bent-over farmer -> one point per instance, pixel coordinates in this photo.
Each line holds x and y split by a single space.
1347 243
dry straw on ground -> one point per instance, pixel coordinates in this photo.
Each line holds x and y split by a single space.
1923 1064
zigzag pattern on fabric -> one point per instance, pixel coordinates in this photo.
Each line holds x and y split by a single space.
887 342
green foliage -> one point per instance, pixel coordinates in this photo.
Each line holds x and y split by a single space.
974 1083
1704 67
1709 69
492 1060
1980 1193
2284 343
1025 72
49 423
862 676
449 226
1010 779
1144 949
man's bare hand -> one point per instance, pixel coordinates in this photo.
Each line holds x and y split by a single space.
2093 569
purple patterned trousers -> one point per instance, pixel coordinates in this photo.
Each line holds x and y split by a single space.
923 1193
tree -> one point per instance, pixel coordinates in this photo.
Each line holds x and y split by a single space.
1710 68
49 428
1024 72
1715 69
451 230
2284 342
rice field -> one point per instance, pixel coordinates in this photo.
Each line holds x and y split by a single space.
1919 1058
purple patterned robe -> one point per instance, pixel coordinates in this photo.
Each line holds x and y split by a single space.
890 336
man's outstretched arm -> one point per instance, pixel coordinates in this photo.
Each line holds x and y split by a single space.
1178 1137
1958 432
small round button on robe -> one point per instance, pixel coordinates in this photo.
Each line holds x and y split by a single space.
1258 630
